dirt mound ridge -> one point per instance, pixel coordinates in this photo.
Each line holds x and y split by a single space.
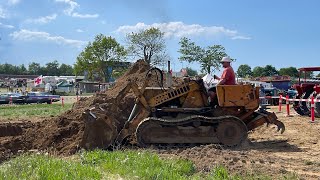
63 134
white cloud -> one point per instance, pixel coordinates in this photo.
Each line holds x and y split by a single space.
72 6
2 13
13 2
241 37
27 35
80 30
42 20
180 29
85 15
6 26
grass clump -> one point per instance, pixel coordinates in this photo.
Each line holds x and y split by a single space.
46 167
308 162
222 173
139 165
33 110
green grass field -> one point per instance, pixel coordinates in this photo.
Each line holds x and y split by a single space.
32 110
99 164
106 165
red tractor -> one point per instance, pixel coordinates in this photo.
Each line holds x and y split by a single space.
306 90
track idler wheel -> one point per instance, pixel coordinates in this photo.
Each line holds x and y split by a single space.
231 132
147 127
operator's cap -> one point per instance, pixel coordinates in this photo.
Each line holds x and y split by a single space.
225 59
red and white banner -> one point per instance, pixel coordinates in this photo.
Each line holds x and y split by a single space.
312 101
291 100
38 81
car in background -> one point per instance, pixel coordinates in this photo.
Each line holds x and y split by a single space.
16 98
41 97
291 93
272 92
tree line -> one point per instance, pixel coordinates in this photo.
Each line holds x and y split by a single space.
245 71
104 53
53 68
100 59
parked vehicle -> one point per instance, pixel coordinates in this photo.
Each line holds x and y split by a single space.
306 90
272 92
291 93
41 97
13 97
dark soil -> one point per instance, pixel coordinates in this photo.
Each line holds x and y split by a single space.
65 134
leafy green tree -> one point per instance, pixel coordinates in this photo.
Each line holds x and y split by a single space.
22 69
43 71
191 72
244 70
270 70
208 57
257 71
13 69
148 44
97 56
290 71
318 75
34 68
66 70
307 74
9 69
52 68
118 72
2 71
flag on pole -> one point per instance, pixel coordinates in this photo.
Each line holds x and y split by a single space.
38 81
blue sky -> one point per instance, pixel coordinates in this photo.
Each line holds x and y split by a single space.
255 32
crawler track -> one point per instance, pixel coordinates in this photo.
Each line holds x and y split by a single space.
226 130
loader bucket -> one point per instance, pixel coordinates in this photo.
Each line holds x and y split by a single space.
100 130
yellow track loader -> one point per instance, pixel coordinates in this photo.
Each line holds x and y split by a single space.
183 115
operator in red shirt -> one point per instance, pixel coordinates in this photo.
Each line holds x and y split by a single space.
228 76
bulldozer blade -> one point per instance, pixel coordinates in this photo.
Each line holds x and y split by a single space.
100 130
266 117
89 115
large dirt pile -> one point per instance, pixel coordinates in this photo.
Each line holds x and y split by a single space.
64 134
